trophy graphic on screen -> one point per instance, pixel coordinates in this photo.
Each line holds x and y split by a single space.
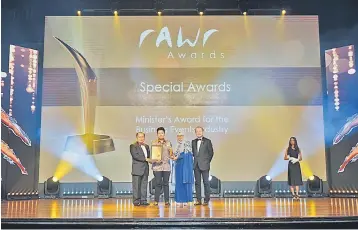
89 142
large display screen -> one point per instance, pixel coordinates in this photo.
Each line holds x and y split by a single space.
251 82
342 115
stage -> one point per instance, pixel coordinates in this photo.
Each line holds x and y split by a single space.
221 213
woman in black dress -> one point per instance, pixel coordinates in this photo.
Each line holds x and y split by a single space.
294 156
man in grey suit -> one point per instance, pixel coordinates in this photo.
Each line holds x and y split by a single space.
140 169
203 154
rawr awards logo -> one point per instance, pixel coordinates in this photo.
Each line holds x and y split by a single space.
164 36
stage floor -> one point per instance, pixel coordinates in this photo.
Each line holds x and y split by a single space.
243 210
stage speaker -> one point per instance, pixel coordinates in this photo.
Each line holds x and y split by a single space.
264 186
52 187
104 187
314 186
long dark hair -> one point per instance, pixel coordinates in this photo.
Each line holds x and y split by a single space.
295 145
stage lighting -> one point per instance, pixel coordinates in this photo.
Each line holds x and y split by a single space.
215 185
78 13
283 12
264 186
104 187
314 186
343 193
115 13
78 193
159 13
52 187
23 196
282 193
124 193
239 193
200 4
245 13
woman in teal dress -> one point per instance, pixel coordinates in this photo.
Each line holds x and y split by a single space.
184 178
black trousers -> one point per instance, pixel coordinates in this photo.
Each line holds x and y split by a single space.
161 181
198 173
139 186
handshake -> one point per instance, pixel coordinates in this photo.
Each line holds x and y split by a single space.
293 160
151 161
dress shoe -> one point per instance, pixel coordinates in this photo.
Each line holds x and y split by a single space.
206 203
144 204
167 204
197 203
155 203
136 204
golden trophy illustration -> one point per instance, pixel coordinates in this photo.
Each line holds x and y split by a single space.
89 142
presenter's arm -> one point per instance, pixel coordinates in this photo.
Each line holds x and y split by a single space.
300 156
286 157
211 150
135 154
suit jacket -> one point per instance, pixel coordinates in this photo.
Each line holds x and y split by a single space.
139 164
205 154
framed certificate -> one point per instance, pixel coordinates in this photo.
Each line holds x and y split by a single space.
156 152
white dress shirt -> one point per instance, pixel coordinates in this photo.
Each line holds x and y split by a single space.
145 151
198 145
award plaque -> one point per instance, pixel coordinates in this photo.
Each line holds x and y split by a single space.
156 152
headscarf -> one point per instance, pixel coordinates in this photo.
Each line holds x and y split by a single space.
183 146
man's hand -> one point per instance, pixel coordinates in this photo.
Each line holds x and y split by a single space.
151 161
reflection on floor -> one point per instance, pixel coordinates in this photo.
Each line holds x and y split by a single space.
218 208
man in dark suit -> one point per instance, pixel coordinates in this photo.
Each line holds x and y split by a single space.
203 154
140 169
